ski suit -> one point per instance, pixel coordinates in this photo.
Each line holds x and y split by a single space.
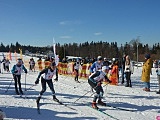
16 71
95 81
96 66
76 70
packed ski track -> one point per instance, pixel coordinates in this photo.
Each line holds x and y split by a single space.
124 103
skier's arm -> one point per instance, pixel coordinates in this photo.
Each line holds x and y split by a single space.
39 75
42 72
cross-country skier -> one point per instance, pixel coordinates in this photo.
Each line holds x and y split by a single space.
7 62
16 71
4 61
48 74
97 65
32 64
76 67
95 80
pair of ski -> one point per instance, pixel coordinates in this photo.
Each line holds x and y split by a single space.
101 111
59 102
118 108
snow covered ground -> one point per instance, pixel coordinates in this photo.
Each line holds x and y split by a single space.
146 105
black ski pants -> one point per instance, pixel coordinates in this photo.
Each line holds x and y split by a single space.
50 84
17 80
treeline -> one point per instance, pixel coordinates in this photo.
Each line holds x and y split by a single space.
91 50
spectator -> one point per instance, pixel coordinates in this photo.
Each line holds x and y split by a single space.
106 62
128 71
146 71
158 77
114 73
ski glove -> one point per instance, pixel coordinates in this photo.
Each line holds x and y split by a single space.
37 81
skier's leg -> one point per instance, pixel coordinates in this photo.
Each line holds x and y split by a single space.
19 83
15 84
93 85
50 84
43 83
77 75
100 93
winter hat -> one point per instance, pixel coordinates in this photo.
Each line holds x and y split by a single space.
99 58
105 68
19 61
147 56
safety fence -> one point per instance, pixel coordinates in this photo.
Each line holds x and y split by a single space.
68 69
63 68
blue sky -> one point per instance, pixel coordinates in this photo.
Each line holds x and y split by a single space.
36 22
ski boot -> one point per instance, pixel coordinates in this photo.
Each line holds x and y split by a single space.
55 99
94 105
101 103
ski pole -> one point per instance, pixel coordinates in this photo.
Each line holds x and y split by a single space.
83 95
25 81
95 92
9 86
